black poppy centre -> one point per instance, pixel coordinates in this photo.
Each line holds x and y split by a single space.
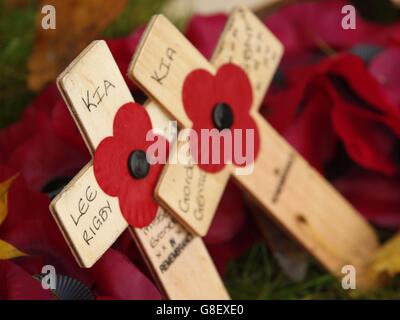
138 165
222 116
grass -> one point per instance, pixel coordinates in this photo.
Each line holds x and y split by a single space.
16 41
256 275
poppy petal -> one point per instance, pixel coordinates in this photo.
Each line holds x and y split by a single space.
232 86
229 218
386 69
117 277
375 195
17 284
204 32
111 157
198 96
131 125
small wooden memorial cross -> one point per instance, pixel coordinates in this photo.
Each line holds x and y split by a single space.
91 220
173 73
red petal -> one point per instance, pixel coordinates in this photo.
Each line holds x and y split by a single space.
115 276
204 32
229 218
45 156
36 145
311 131
122 50
31 228
302 114
110 166
368 140
386 69
138 205
131 125
309 25
280 107
104 298
207 149
16 284
233 87
353 69
199 98
201 92
374 195
65 127
34 117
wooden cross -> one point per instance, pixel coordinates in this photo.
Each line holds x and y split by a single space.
91 220
283 184
185 8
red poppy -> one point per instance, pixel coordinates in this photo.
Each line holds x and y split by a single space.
16 284
121 167
204 32
337 115
115 275
304 26
219 102
373 194
340 95
385 67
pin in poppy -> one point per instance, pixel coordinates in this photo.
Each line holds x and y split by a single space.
122 169
220 102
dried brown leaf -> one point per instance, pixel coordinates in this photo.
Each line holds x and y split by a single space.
77 24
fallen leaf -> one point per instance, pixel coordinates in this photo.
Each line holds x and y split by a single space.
4 187
77 24
8 251
292 259
384 265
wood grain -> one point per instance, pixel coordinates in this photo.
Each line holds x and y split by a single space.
93 94
89 219
307 206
